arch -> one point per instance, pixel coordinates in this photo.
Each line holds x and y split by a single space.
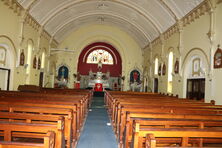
11 57
184 72
100 55
30 42
170 49
84 67
192 52
136 69
7 40
135 76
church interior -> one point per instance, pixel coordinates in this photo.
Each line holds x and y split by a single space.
110 74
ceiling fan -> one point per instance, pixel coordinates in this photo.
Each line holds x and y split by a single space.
57 50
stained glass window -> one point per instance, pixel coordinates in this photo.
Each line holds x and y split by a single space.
100 55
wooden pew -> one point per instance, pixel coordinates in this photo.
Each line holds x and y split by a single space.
35 111
122 109
132 115
75 105
119 105
39 118
184 134
30 130
49 141
121 118
52 93
78 103
172 123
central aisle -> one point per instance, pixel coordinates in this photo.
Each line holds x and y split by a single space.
96 133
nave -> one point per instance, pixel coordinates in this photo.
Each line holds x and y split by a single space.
36 117
97 131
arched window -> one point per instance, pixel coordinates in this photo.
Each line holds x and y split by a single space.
170 70
29 58
156 66
100 55
43 60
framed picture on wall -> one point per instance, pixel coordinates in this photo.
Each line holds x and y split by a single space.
22 58
34 62
159 70
176 67
218 58
164 69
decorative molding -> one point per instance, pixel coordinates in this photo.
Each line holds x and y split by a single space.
219 1
27 18
12 43
200 10
172 30
14 5
32 22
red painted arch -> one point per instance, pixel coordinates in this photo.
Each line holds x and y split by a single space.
115 69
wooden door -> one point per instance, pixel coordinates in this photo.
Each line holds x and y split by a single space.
41 78
196 89
156 85
4 78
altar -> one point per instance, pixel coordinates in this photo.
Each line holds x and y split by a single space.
99 78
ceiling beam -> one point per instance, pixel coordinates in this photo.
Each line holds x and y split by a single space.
173 14
64 6
31 4
106 14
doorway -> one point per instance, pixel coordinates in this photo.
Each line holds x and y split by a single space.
196 89
156 85
4 78
41 78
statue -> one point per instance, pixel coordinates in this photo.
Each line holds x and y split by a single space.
100 65
78 76
107 75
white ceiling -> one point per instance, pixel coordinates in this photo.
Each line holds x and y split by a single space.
144 20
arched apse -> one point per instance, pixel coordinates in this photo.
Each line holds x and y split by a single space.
115 69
